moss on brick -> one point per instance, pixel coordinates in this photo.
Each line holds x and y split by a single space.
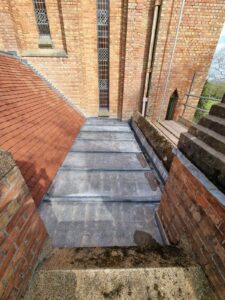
159 143
6 163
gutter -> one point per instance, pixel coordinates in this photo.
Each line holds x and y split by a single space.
150 55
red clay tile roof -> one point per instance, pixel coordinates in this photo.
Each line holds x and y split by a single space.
36 125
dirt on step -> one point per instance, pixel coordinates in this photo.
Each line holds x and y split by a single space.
117 257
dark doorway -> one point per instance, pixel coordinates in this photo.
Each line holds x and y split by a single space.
172 105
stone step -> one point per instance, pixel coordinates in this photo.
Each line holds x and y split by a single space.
101 224
105 121
214 123
109 184
120 283
208 136
117 136
105 161
207 159
106 128
105 146
218 110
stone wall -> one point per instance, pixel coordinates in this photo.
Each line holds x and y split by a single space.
192 211
22 233
199 33
37 125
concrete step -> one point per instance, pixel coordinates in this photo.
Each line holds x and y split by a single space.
214 123
117 136
105 161
105 146
124 184
120 283
101 224
105 121
207 159
208 136
106 128
218 110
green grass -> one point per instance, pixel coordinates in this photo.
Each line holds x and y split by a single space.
213 90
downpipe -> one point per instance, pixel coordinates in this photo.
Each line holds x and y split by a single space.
150 56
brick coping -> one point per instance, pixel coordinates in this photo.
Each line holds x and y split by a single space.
209 186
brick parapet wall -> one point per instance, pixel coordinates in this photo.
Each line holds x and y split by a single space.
22 232
192 211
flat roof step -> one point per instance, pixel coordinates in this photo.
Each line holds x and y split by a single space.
105 146
108 136
105 121
208 136
214 123
69 183
105 128
98 224
218 110
207 159
106 161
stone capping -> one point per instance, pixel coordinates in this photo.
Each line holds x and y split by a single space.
6 163
150 152
208 185
44 52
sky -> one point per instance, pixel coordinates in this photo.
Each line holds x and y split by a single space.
221 43
217 70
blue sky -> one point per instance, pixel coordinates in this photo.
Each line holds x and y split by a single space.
221 43
217 69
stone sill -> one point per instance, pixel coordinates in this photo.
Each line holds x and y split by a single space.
44 53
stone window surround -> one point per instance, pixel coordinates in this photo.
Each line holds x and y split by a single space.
44 52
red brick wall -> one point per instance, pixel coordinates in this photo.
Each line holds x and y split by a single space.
22 233
37 126
199 33
192 213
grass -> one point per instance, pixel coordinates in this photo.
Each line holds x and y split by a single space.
211 89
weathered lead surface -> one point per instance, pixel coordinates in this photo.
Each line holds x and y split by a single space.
105 121
112 161
124 136
105 146
103 192
93 224
105 128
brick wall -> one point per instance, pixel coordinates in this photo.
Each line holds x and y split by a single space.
74 35
74 54
200 29
139 25
22 233
192 211
37 126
